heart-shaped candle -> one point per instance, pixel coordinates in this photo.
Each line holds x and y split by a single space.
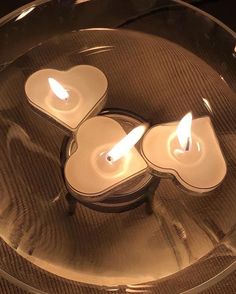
95 169
188 150
70 96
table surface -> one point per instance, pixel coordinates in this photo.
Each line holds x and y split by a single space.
221 9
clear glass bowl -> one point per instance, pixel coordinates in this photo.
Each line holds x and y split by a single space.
161 58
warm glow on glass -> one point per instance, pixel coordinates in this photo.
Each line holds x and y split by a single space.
58 89
25 12
184 131
126 144
207 104
80 1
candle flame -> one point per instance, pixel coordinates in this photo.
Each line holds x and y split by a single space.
126 144
184 132
58 89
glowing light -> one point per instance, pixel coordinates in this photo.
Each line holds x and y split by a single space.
234 53
184 132
58 89
126 144
96 50
97 29
222 78
80 1
25 12
207 104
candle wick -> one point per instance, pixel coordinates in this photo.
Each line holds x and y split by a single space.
187 147
68 97
109 159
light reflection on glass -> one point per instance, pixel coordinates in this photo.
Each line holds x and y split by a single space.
207 104
25 12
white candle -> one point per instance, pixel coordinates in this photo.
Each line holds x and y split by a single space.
90 171
188 150
68 97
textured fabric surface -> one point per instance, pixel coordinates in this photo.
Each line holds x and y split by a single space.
8 288
228 286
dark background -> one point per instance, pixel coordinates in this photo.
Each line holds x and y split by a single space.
225 10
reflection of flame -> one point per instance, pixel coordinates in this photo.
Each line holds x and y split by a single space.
207 104
58 89
126 144
184 132
96 50
80 1
25 12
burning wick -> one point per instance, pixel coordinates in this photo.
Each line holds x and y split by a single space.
184 132
126 144
58 89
